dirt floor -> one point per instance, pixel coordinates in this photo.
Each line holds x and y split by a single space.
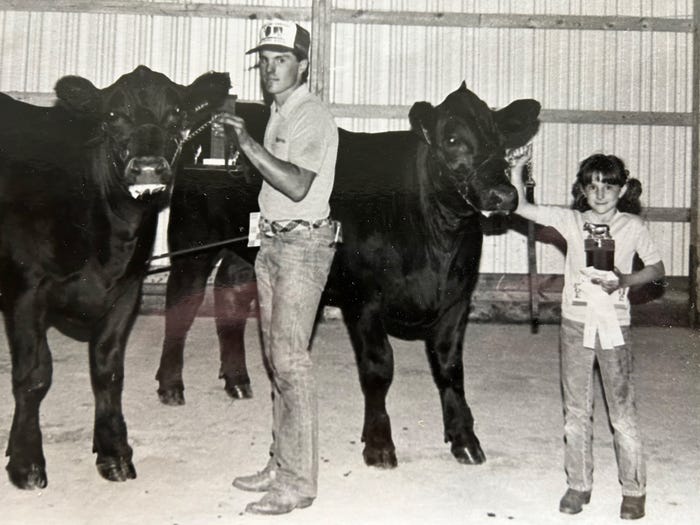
186 457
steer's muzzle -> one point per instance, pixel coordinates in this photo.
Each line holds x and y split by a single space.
501 198
492 187
148 170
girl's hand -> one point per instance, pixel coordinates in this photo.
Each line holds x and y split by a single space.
610 285
517 159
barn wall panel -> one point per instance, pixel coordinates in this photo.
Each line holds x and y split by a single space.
38 48
564 69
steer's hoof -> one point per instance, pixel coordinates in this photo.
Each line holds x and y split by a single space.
379 457
238 391
27 478
172 396
469 454
116 469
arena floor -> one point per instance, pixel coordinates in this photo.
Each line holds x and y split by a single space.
186 457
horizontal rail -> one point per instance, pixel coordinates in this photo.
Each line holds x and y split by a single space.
514 21
560 116
653 214
131 7
354 16
658 214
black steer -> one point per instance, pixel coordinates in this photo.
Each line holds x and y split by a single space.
208 207
409 202
75 241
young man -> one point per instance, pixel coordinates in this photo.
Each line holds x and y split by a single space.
297 163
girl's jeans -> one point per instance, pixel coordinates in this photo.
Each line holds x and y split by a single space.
577 390
291 271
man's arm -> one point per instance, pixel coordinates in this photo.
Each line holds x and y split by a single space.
286 177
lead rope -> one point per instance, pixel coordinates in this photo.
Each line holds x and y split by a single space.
185 136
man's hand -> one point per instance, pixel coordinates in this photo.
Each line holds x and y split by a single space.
286 177
236 123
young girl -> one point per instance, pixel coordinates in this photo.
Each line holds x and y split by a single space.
595 322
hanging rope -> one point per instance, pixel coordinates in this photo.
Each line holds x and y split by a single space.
532 249
529 182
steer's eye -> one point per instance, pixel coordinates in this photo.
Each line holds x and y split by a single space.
115 119
173 117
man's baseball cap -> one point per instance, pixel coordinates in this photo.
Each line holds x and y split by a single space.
280 35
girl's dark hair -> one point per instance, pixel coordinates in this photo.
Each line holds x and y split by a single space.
612 170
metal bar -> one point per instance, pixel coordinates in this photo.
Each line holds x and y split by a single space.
693 307
158 269
320 48
198 248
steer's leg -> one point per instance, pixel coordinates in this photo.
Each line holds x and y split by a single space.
375 364
31 379
444 349
234 291
107 347
184 295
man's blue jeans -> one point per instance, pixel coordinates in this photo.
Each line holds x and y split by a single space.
577 390
291 271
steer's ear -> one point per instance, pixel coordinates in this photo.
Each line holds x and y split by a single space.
207 91
78 94
422 118
518 122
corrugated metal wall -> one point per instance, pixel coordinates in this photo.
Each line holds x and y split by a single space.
397 65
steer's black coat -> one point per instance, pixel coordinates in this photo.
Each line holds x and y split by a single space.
75 243
409 203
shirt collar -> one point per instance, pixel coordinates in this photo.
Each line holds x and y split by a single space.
299 94
588 217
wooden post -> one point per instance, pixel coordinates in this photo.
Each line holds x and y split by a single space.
694 258
321 48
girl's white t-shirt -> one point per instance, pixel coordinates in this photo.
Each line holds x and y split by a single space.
630 235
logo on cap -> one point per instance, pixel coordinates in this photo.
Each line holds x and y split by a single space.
282 35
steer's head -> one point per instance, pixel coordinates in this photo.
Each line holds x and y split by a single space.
141 121
469 142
